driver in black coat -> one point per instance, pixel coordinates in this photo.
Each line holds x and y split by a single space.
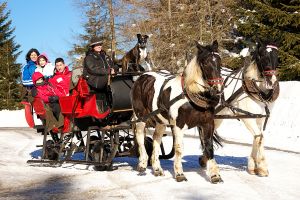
97 67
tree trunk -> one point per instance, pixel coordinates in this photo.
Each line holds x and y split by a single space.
112 26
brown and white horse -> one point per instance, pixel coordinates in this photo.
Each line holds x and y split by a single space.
260 90
183 102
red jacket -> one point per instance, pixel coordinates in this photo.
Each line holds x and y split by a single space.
61 80
44 90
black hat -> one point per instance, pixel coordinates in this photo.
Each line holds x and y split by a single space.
95 40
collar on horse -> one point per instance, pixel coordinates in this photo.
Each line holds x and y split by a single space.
252 89
198 99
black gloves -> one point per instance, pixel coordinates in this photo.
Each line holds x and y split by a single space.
53 99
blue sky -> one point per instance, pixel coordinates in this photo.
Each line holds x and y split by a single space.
50 26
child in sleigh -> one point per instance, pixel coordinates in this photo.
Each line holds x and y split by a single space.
49 94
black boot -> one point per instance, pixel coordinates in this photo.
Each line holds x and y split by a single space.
54 137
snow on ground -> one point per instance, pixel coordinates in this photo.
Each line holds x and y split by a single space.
21 181
18 180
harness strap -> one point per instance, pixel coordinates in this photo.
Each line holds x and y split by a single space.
267 116
229 100
233 109
161 107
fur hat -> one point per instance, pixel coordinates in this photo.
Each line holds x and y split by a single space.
95 40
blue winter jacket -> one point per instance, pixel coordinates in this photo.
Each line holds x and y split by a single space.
27 72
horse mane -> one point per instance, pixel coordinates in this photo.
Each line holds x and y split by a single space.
251 71
193 77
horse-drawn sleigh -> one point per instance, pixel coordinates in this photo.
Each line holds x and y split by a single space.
159 99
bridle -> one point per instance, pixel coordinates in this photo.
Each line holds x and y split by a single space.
272 72
214 80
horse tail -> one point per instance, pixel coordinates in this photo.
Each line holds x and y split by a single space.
217 140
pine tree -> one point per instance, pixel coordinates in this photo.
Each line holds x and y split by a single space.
9 68
98 22
278 21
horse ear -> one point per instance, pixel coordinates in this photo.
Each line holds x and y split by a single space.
259 42
138 35
215 45
252 47
199 46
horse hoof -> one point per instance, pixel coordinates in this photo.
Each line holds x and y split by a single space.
142 174
141 169
158 172
180 178
251 171
261 172
216 179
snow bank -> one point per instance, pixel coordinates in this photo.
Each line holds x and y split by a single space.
14 118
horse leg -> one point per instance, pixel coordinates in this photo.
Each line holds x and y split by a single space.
159 131
140 138
256 162
202 159
261 164
212 168
178 147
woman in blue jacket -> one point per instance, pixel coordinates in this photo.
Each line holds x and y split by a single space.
29 68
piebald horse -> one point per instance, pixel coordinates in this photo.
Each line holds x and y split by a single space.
260 89
182 102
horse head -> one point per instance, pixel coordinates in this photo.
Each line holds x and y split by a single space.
266 57
142 40
209 61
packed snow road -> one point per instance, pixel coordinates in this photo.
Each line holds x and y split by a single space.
18 180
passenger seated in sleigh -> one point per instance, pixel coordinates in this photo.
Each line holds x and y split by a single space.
97 68
49 94
50 90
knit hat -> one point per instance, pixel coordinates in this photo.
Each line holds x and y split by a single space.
95 40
